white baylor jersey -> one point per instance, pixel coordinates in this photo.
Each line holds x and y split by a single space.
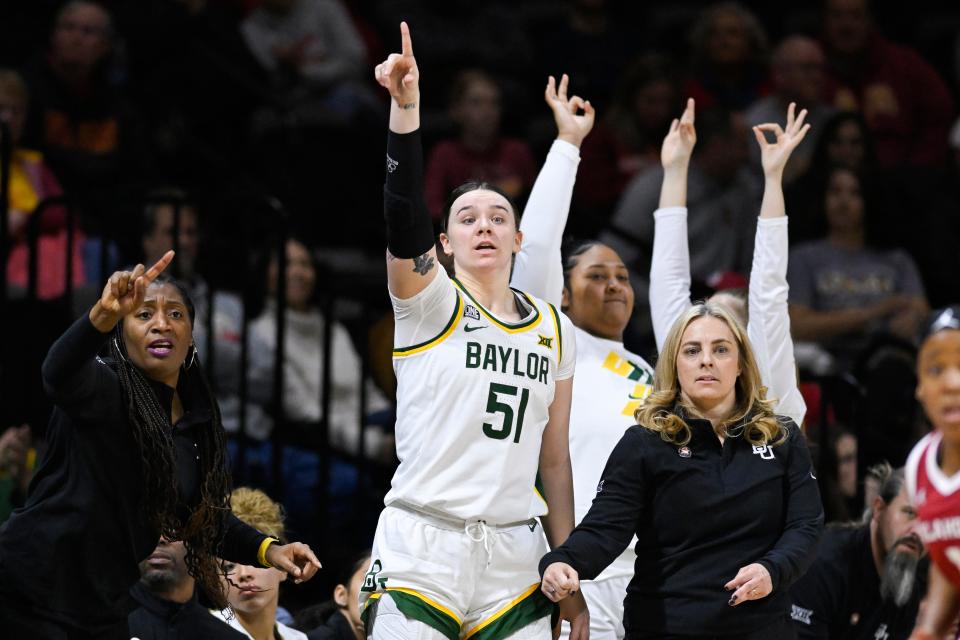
473 396
610 386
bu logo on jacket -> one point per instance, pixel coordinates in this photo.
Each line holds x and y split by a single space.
684 452
764 452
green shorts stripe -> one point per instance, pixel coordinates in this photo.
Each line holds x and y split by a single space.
417 609
533 607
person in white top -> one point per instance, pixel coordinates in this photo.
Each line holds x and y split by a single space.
592 285
254 592
484 375
302 370
767 318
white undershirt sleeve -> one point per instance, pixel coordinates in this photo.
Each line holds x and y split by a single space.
538 268
669 270
568 341
769 321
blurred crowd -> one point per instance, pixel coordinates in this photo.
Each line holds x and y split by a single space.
248 135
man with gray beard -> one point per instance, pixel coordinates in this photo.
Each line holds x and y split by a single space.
167 607
868 578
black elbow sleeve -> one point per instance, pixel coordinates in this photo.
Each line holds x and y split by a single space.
409 229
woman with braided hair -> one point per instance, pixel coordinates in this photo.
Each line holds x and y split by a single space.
135 451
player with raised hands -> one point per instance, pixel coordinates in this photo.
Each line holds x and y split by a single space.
764 313
484 374
135 450
591 284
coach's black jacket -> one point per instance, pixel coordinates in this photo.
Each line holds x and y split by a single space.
159 619
700 513
71 552
839 597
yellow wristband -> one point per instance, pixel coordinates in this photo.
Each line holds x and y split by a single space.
262 551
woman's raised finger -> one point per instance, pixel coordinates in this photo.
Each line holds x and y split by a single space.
689 112
113 283
798 123
761 139
562 91
406 42
123 283
158 268
550 93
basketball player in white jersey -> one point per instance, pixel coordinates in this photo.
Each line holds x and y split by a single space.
765 313
484 375
593 286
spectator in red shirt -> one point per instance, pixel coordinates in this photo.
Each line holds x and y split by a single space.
905 103
480 152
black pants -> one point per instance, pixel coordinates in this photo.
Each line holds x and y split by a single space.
782 630
19 621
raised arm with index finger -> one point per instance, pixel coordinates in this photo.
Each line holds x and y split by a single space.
136 451
411 255
124 292
456 413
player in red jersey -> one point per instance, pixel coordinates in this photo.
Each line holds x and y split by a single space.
933 471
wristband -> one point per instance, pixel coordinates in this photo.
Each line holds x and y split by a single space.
262 551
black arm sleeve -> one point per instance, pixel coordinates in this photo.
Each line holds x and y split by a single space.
240 542
409 229
607 528
72 375
803 525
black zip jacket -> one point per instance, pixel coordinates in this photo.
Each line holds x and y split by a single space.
159 619
70 554
700 513
839 597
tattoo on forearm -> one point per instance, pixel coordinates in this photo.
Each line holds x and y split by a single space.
408 105
423 264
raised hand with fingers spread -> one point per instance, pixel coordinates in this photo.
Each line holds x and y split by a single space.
572 126
774 155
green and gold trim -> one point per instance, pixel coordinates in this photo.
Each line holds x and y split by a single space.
509 328
417 606
539 490
447 330
556 325
528 607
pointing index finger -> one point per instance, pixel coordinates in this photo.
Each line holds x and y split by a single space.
158 268
406 43
689 113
